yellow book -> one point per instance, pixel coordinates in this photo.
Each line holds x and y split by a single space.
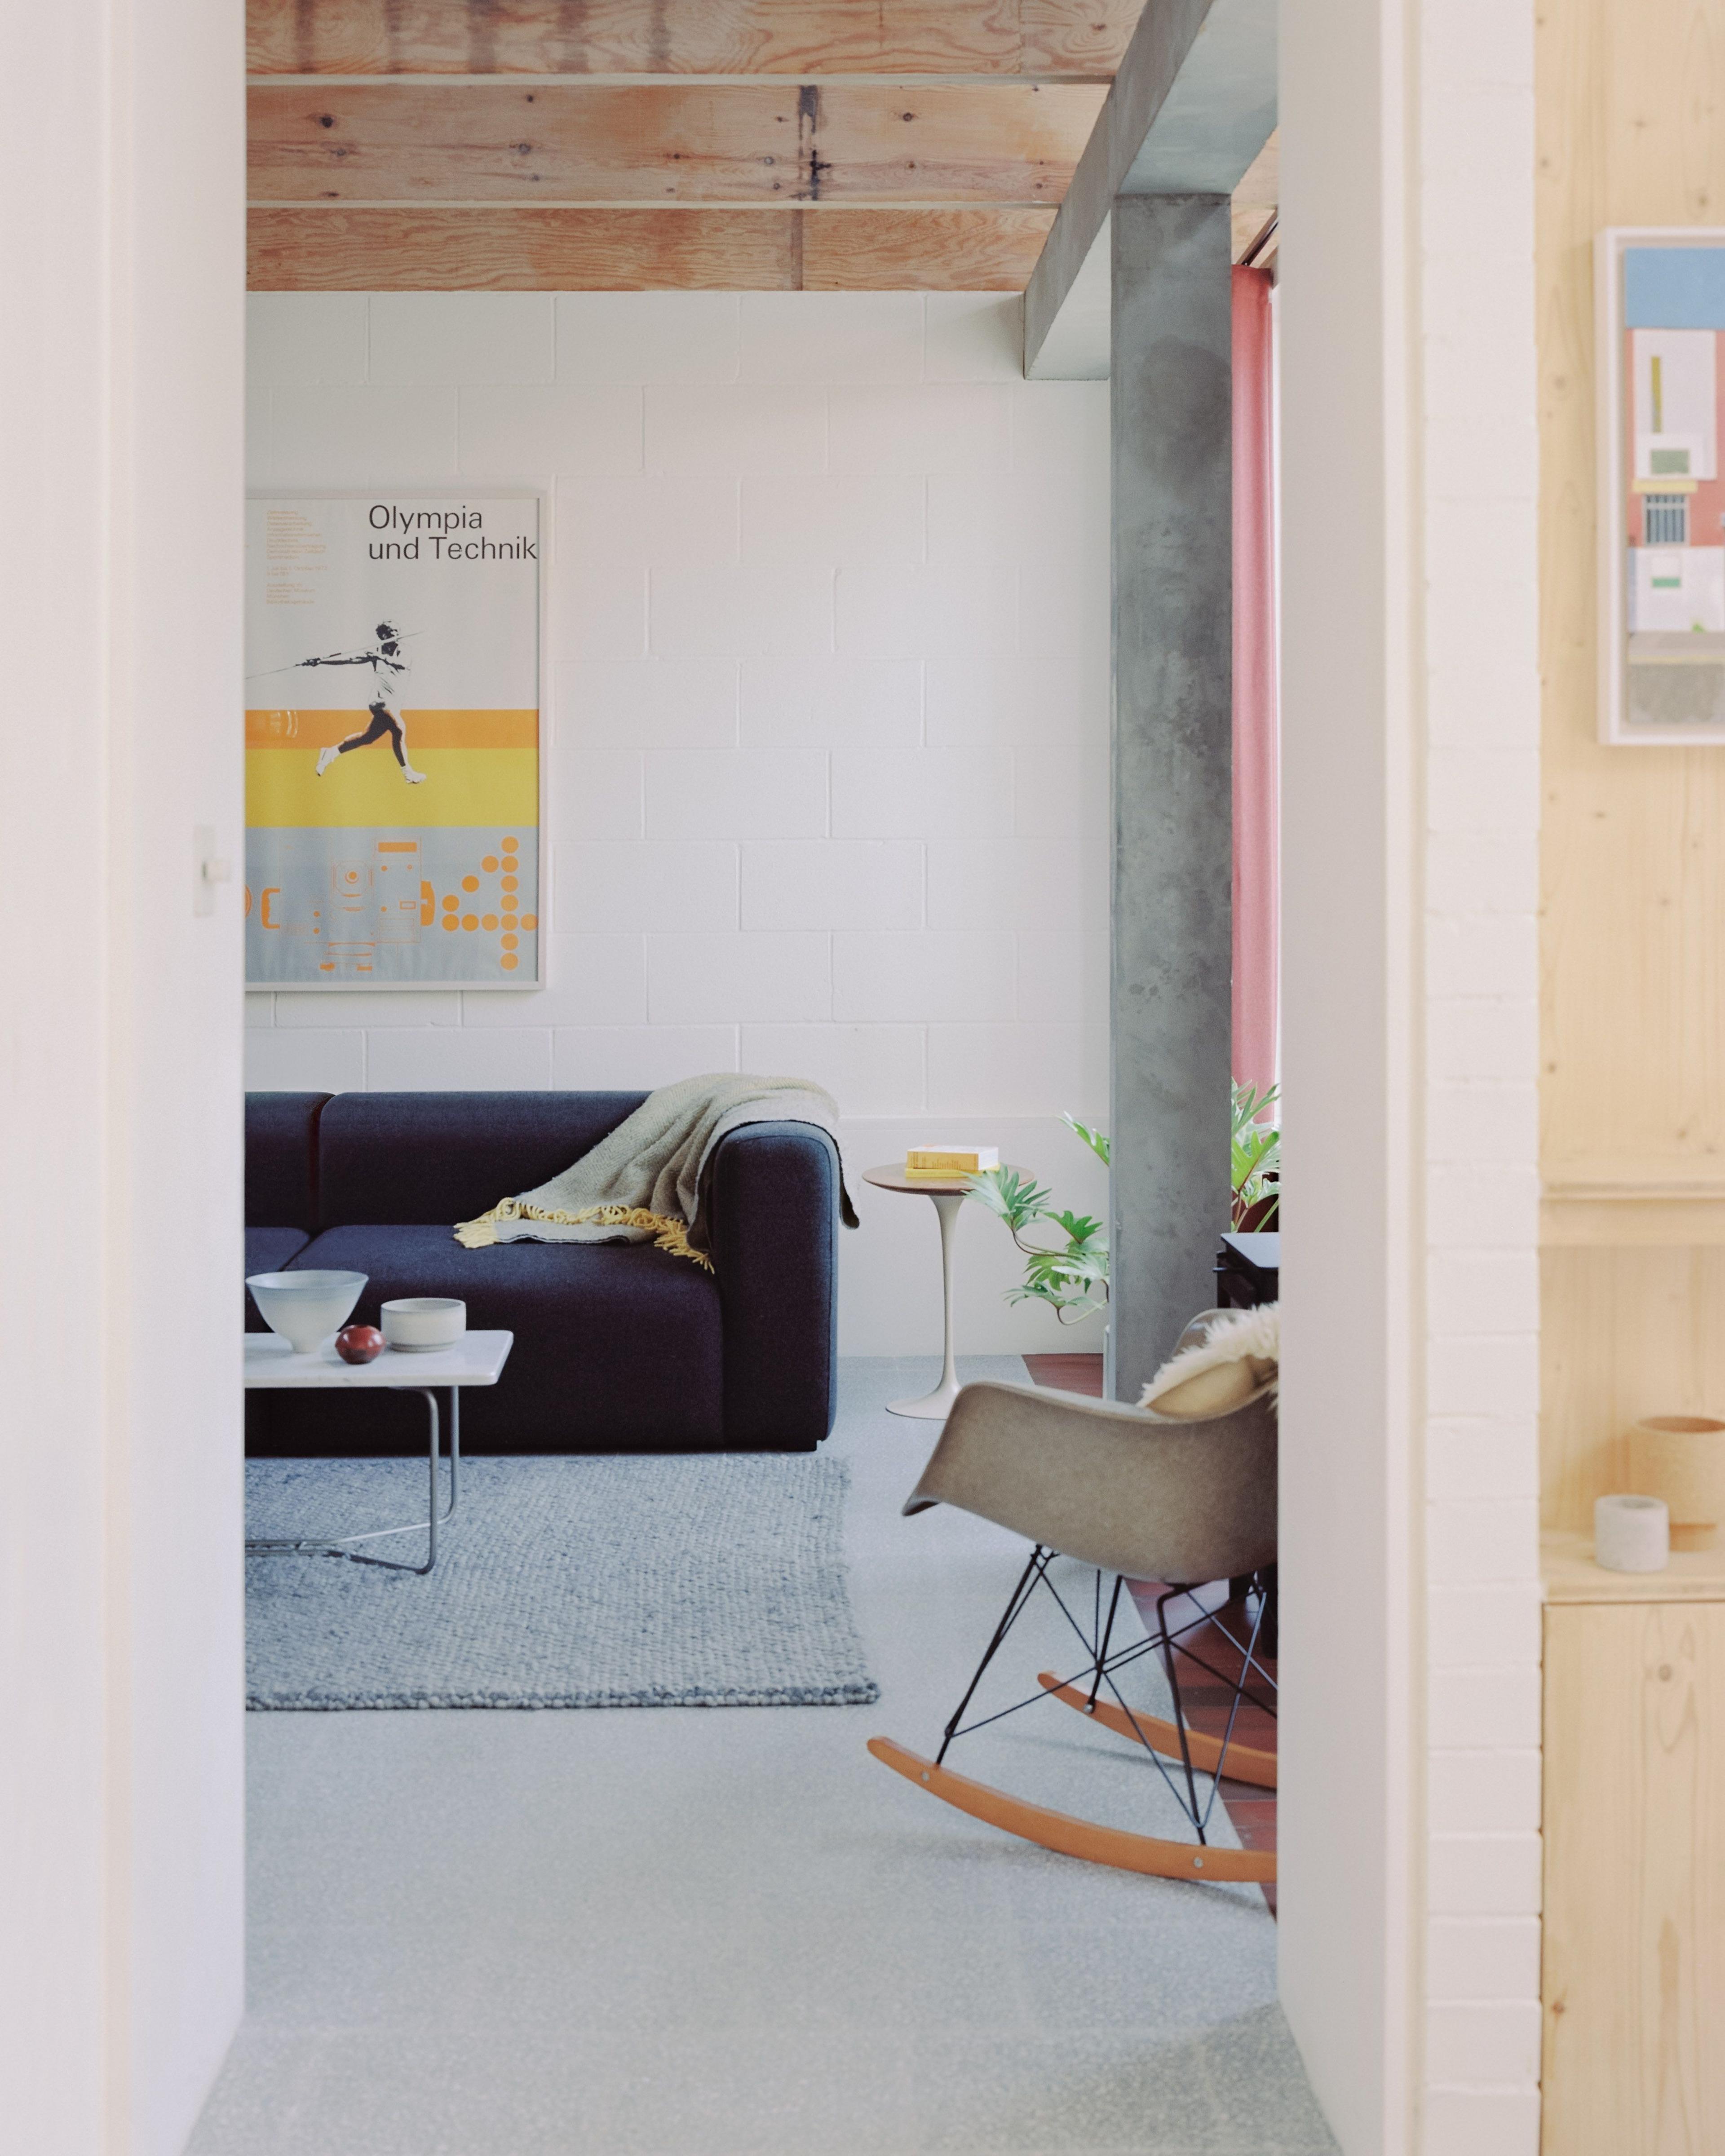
943 1163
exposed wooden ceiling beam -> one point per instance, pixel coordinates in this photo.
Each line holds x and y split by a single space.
1045 38
626 250
498 142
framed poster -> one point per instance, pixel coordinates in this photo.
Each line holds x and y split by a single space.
392 741
1659 294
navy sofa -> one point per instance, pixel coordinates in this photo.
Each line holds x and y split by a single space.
618 1348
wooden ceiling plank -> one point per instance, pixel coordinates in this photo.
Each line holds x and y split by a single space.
429 142
687 37
596 250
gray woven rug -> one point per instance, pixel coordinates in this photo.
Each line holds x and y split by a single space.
568 1582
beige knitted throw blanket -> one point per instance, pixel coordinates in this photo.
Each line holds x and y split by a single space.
643 1183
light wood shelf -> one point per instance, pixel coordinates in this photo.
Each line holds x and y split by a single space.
1570 1574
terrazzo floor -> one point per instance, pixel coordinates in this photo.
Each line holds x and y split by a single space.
701 1932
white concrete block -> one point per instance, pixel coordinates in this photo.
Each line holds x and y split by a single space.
462 336
590 980
1060 791
824 703
1483 1875
602 614
259 1009
1062 426
910 977
1479 1707
839 518
1018 1070
998 698
1476 2121
943 427
1472 1205
646 517
259 454
737 794
1036 519
975 336
1488 1542
647 337
527 436
321 437
1478 176
1492 1791
1479 299
746 427
1484 1624
1482 1456
1489 552
626 1058
304 337
368 1007
621 888
926 613
1479 694
832 883
766 978
1497 460
831 336
284 1060
783 613
1063 977
868 1070
1482 1039
1479 1291
646 703
598 795
1483 1375
1064 611
1486 1958
458 1058
915 794
1494 2042
1470 44
1478 1124
1483 872
1018 883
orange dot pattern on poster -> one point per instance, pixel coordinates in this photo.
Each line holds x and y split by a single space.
505 864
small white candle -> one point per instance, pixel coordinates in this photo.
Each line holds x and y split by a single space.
1631 1534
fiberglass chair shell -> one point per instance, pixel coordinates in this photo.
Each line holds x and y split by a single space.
1143 1495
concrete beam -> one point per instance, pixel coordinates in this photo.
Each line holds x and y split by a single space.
1193 103
1171 899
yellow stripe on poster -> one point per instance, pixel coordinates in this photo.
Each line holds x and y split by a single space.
311 731
366 789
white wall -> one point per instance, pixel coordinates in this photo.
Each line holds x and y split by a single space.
120 447
827 789
1409 1811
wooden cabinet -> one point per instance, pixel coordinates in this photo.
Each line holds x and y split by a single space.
1635 1860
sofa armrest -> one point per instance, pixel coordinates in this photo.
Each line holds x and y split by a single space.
772 1213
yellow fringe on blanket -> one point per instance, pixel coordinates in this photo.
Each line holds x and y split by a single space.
668 1234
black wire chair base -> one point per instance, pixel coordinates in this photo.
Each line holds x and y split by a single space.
1196 1752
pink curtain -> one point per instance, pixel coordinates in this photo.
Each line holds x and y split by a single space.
1256 811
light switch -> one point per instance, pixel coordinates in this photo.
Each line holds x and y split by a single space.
210 867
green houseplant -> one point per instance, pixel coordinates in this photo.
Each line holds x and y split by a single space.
1072 1276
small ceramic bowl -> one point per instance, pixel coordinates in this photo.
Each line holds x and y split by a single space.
305 1308
419 1324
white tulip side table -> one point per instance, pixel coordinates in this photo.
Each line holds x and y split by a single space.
477 1358
948 1196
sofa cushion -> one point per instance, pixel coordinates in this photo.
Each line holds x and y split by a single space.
617 1347
267 1250
280 1161
438 1158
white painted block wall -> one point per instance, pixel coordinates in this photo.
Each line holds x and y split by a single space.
827 782
1481 667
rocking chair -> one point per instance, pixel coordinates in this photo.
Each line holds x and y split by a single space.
1183 1491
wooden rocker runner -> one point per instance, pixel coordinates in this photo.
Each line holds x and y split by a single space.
1180 1490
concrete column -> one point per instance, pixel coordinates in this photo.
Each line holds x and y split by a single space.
1173 808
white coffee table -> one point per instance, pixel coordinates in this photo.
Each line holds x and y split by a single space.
476 1359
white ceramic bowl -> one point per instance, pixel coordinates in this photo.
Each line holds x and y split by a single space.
419 1324
305 1308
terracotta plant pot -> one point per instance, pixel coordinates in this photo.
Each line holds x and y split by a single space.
1681 1458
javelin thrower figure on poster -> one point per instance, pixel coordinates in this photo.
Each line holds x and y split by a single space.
388 663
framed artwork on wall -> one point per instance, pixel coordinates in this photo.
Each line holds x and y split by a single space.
392 742
1660 295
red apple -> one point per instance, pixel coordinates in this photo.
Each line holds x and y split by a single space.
359 1344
